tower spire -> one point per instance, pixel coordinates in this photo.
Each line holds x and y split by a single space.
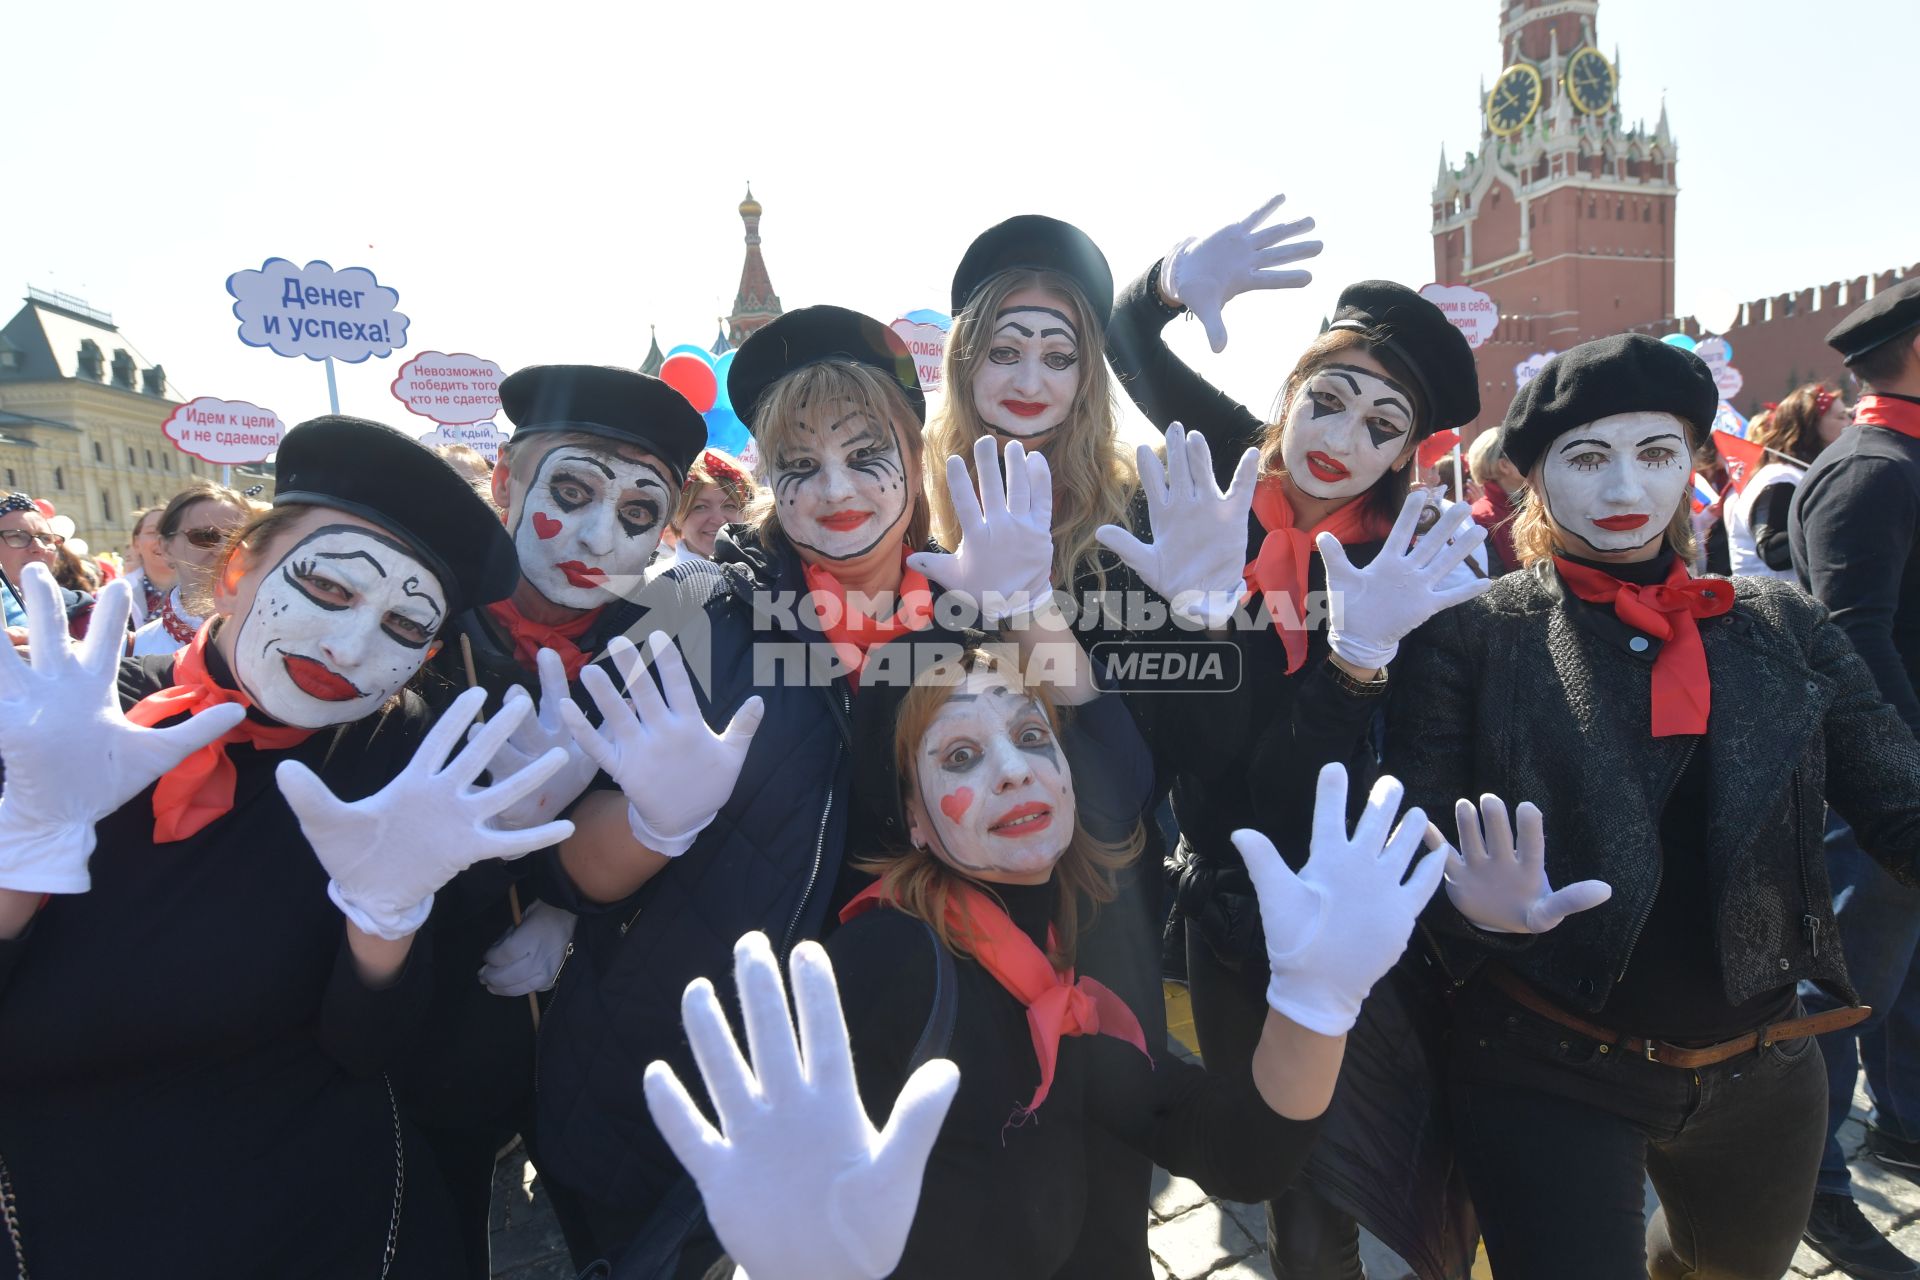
756 303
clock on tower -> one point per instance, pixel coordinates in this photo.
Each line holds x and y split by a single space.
1515 97
1589 80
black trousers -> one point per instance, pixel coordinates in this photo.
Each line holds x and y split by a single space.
1307 1238
1558 1136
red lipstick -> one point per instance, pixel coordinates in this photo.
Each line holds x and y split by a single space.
1325 469
582 575
318 680
845 521
1023 408
1620 524
1041 816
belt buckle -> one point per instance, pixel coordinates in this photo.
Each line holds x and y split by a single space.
1653 1050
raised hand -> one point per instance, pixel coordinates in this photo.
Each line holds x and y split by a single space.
1199 549
1203 275
1004 562
1500 885
72 756
527 958
1335 929
674 770
797 1183
540 732
1371 610
391 852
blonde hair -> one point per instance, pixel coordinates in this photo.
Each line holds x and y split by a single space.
921 884
1093 476
777 421
1534 539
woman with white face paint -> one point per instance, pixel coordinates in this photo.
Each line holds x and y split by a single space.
1312 513
194 1034
995 837
1675 742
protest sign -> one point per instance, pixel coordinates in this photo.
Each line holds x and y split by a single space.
484 438
1467 309
450 389
925 333
224 431
317 312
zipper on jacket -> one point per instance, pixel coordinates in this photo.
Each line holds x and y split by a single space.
819 840
1809 922
1660 873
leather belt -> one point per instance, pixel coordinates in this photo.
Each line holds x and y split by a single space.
1675 1055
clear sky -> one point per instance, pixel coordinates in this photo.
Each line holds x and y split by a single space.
541 182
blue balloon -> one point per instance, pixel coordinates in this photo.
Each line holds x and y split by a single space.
725 431
1679 340
687 348
720 368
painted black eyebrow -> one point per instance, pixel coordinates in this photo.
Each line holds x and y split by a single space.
1584 440
595 463
351 555
1354 368
1395 402
408 589
1061 316
1664 435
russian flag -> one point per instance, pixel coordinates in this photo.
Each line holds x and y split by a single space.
1704 494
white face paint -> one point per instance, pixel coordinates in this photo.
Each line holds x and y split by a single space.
1345 429
589 523
994 788
1027 384
1612 485
337 627
840 482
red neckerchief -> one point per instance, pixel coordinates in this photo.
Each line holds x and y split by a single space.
1682 691
1279 572
853 634
200 788
1895 415
1057 1004
530 637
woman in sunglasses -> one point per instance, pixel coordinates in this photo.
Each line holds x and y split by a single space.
193 528
27 538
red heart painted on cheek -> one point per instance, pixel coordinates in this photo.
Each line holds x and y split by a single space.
955 806
545 526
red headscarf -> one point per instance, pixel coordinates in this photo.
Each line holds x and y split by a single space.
1682 691
200 788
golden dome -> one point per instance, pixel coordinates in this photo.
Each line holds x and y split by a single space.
749 208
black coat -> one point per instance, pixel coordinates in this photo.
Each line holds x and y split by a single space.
1525 694
1855 533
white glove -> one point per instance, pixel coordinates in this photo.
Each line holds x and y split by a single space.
1336 928
654 743
528 956
72 755
536 735
1203 275
797 1184
1198 557
391 852
1004 562
1371 610
1503 888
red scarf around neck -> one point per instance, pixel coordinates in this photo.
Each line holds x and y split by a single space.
1884 411
200 788
530 637
853 633
1280 572
1057 1004
1682 691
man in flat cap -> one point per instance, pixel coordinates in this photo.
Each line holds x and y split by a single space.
1855 535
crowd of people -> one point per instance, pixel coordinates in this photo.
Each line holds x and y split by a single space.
349 836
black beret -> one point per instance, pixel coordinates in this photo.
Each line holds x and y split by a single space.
1891 313
884 682
390 478
615 404
809 336
1434 350
1036 242
1627 373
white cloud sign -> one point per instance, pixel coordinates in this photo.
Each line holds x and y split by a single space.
317 312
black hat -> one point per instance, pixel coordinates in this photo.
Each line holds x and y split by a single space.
1891 313
1036 242
616 404
809 336
1627 373
407 489
885 679
1419 334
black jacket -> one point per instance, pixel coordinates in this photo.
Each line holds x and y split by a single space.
1855 531
1523 694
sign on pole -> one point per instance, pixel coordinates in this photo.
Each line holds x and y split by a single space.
925 333
1467 309
317 312
450 389
224 431
484 438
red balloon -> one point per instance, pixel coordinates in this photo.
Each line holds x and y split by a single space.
46 508
693 378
